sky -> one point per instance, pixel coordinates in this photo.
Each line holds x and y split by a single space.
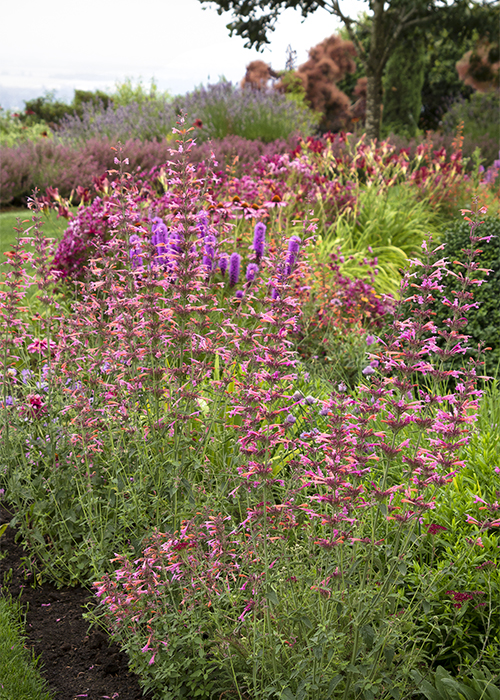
60 45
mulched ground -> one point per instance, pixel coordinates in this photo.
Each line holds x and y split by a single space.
77 662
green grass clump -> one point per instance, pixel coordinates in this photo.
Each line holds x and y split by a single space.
20 677
389 225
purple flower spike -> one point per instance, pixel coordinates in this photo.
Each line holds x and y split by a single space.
239 294
259 239
234 269
159 239
252 270
223 265
293 251
293 245
134 252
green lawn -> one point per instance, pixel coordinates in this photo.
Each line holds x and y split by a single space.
19 675
52 226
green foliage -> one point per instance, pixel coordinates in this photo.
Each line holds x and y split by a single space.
47 110
442 85
403 80
483 322
19 674
13 130
389 226
442 686
480 117
127 93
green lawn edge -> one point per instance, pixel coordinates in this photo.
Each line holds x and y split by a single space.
20 677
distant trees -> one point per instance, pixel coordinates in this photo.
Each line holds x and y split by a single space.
391 25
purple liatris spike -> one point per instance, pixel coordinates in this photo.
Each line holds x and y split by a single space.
209 249
159 239
259 239
223 265
234 269
252 270
293 250
135 250
203 225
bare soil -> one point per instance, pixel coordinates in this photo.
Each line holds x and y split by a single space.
76 661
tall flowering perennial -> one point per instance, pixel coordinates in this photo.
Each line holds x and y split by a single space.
344 481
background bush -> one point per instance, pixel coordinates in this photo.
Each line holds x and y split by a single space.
481 125
484 322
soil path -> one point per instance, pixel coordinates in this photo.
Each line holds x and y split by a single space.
76 662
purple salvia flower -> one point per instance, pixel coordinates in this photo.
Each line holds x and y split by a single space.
234 269
252 270
259 239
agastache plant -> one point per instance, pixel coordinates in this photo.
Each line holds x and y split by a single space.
285 517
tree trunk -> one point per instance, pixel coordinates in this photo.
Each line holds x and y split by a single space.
373 106
374 66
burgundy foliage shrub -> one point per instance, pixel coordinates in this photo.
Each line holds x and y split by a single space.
258 75
328 63
57 165
481 68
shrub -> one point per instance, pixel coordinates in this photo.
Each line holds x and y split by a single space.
481 125
147 121
484 321
14 132
67 167
252 114
220 110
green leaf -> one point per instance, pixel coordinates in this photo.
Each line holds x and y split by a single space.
287 694
307 622
271 596
389 654
368 635
334 683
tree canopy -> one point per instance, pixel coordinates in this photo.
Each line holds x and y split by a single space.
390 21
